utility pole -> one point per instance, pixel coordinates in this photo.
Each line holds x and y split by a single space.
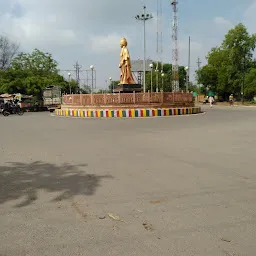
198 63
188 69
106 82
243 79
77 70
92 70
81 75
159 44
175 51
144 17
198 68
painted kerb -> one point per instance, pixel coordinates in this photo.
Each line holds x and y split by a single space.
124 113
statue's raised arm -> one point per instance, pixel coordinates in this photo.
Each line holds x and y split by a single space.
125 64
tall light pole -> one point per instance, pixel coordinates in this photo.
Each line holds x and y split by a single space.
157 79
151 66
111 87
144 17
175 50
188 69
198 68
92 68
162 75
187 78
243 79
69 80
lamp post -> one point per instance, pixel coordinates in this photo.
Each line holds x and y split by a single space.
162 75
69 80
243 90
106 81
243 79
188 67
111 86
187 78
157 82
151 66
144 17
92 68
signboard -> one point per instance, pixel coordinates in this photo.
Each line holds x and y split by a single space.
47 93
52 92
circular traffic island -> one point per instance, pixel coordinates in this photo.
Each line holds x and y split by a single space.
127 105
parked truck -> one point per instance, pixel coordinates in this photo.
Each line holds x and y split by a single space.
52 97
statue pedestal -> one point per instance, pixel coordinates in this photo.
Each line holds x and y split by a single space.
128 88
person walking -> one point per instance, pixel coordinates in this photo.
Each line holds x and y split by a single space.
231 99
211 100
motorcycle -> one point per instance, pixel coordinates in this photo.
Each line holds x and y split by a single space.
12 110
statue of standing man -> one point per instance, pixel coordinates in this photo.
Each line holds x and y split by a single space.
125 64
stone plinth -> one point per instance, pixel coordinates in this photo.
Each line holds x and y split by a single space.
128 88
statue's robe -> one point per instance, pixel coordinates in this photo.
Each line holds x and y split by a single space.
126 76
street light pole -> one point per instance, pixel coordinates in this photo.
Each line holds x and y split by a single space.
144 17
111 85
151 66
243 79
157 79
187 78
162 75
244 70
92 68
144 55
69 76
188 71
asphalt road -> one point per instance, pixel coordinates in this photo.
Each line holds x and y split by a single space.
182 186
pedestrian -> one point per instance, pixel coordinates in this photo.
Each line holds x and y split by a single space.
231 99
211 101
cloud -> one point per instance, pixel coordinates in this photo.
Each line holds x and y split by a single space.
65 20
249 17
106 43
85 30
89 31
86 14
194 46
223 22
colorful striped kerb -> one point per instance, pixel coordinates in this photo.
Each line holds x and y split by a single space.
132 113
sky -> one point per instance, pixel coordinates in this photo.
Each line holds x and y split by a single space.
89 31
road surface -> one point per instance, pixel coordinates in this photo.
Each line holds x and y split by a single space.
180 186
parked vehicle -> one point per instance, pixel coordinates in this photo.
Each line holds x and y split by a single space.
52 98
11 108
1 102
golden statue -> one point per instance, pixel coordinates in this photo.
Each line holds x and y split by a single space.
125 64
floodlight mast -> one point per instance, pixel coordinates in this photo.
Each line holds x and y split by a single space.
175 50
144 17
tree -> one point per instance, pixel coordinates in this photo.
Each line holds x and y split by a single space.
240 45
37 62
67 86
226 64
166 86
8 50
29 73
113 85
250 84
208 76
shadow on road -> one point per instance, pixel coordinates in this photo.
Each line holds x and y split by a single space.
19 180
